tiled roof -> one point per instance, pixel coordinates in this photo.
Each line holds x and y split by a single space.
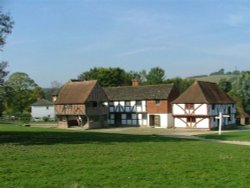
204 93
75 92
42 102
161 91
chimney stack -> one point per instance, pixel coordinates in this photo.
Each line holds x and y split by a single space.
135 82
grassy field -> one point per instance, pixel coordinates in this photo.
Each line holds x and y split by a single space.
47 157
233 136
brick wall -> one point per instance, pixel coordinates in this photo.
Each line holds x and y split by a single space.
154 106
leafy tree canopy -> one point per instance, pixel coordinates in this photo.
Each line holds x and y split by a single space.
3 72
155 75
225 85
21 92
6 25
242 88
107 76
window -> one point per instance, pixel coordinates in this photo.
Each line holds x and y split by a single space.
111 116
191 119
134 116
189 106
144 116
67 106
111 103
47 107
127 103
157 102
138 103
213 106
124 116
129 116
94 104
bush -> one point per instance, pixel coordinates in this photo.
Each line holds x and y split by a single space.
45 119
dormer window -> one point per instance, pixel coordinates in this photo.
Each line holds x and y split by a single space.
157 102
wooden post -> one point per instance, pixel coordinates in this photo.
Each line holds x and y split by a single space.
220 117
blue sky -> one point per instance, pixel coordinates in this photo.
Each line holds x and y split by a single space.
56 40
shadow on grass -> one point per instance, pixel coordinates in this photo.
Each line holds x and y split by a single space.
48 137
224 136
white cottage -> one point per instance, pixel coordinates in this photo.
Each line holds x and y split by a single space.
200 104
42 109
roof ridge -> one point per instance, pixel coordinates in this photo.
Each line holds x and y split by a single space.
202 90
154 85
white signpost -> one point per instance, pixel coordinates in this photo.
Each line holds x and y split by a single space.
220 117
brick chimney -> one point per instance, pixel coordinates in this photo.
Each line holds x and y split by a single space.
135 82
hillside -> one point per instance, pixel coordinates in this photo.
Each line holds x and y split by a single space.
216 78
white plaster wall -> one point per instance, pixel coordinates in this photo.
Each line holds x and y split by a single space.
42 111
177 109
179 123
201 109
204 123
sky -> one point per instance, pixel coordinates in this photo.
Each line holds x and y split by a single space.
56 40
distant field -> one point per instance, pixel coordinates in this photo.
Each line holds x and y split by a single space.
47 157
233 136
217 78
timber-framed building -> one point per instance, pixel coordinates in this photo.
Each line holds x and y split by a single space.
137 105
200 104
81 103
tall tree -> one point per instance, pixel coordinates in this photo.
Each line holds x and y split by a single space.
225 85
155 75
3 72
181 84
6 25
242 88
21 92
106 76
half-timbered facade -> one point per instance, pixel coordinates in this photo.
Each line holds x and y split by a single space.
81 103
141 105
200 104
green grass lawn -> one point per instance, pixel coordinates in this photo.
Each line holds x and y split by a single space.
233 136
46 157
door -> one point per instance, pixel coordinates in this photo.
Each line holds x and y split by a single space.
118 119
155 120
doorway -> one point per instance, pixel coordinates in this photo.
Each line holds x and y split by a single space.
155 120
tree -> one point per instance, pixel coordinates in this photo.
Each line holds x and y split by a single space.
225 85
54 88
106 76
6 25
3 72
181 84
140 76
220 72
156 75
21 92
242 88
